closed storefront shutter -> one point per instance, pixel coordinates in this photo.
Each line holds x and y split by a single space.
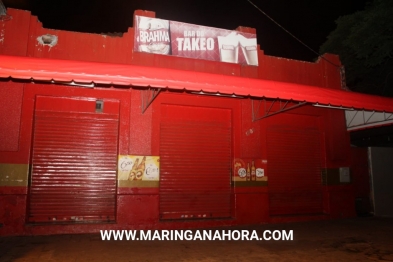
74 159
195 151
294 159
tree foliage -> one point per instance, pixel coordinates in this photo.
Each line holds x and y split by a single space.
364 42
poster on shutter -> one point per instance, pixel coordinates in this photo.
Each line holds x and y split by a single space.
248 169
158 36
142 168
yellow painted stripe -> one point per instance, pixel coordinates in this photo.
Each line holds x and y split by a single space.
136 183
14 174
249 183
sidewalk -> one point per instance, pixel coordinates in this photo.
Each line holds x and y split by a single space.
357 239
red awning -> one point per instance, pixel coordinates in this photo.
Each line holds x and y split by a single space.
135 75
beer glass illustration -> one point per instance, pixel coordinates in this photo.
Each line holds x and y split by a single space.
249 49
229 48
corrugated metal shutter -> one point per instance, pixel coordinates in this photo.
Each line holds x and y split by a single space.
74 160
195 151
294 171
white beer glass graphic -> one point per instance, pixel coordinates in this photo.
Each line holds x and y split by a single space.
229 48
249 49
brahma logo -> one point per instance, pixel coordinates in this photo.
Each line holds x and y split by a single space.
153 36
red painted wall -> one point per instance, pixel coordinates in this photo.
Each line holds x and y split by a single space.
10 115
138 207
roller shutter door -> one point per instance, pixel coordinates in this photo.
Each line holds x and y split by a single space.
74 157
294 160
195 151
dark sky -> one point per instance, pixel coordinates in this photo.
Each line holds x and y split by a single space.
309 20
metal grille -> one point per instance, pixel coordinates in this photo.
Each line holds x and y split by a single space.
195 164
74 162
294 171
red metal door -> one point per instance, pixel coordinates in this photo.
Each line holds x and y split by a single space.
294 170
195 151
74 158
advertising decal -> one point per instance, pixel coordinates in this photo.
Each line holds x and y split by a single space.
245 170
142 168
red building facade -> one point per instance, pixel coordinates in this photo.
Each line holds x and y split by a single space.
61 142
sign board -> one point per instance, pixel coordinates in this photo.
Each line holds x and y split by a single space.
166 37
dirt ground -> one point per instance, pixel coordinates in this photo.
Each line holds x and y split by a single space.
357 239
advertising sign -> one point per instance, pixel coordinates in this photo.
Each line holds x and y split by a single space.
144 168
166 37
249 170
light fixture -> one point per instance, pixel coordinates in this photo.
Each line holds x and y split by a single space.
216 94
333 107
72 83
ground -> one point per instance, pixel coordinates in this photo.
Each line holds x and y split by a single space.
355 239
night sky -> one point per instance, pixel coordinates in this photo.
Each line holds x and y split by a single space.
309 20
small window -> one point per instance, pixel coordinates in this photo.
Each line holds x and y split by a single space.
99 106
